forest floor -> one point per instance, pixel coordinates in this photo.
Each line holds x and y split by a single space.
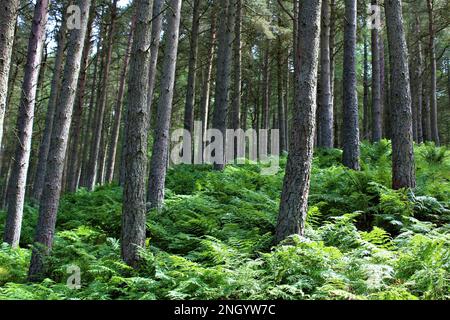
214 238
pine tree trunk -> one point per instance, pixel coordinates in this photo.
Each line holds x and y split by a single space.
325 114
17 182
366 116
75 150
118 111
136 136
49 202
207 72
160 151
403 171
94 156
154 49
417 82
350 127
192 72
54 92
433 70
235 113
8 17
225 43
377 114
294 198
281 98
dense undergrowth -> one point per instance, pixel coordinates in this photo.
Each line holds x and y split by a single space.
213 240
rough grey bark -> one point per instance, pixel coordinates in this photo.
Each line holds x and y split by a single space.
294 198
93 164
154 49
75 150
49 203
160 151
17 182
376 86
8 17
136 135
192 72
385 90
83 171
350 128
265 121
366 107
417 84
403 170
281 97
235 112
114 139
54 92
433 71
224 50
325 114
207 72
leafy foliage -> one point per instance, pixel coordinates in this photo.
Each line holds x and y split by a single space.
214 238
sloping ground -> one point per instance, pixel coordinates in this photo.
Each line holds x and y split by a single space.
213 240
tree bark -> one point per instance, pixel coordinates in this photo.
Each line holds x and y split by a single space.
294 198
72 174
54 92
154 49
237 70
226 26
192 72
350 127
377 114
366 107
325 114
93 164
49 203
403 171
433 70
136 135
17 182
8 17
118 111
281 97
160 151
207 72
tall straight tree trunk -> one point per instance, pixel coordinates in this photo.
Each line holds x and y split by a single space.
136 136
54 92
88 125
350 127
154 50
160 151
93 164
72 174
403 170
225 43
366 115
8 17
207 72
235 113
281 97
266 86
192 73
417 83
325 120
17 182
433 70
49 203
385 90
376 86
294 198
118 111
